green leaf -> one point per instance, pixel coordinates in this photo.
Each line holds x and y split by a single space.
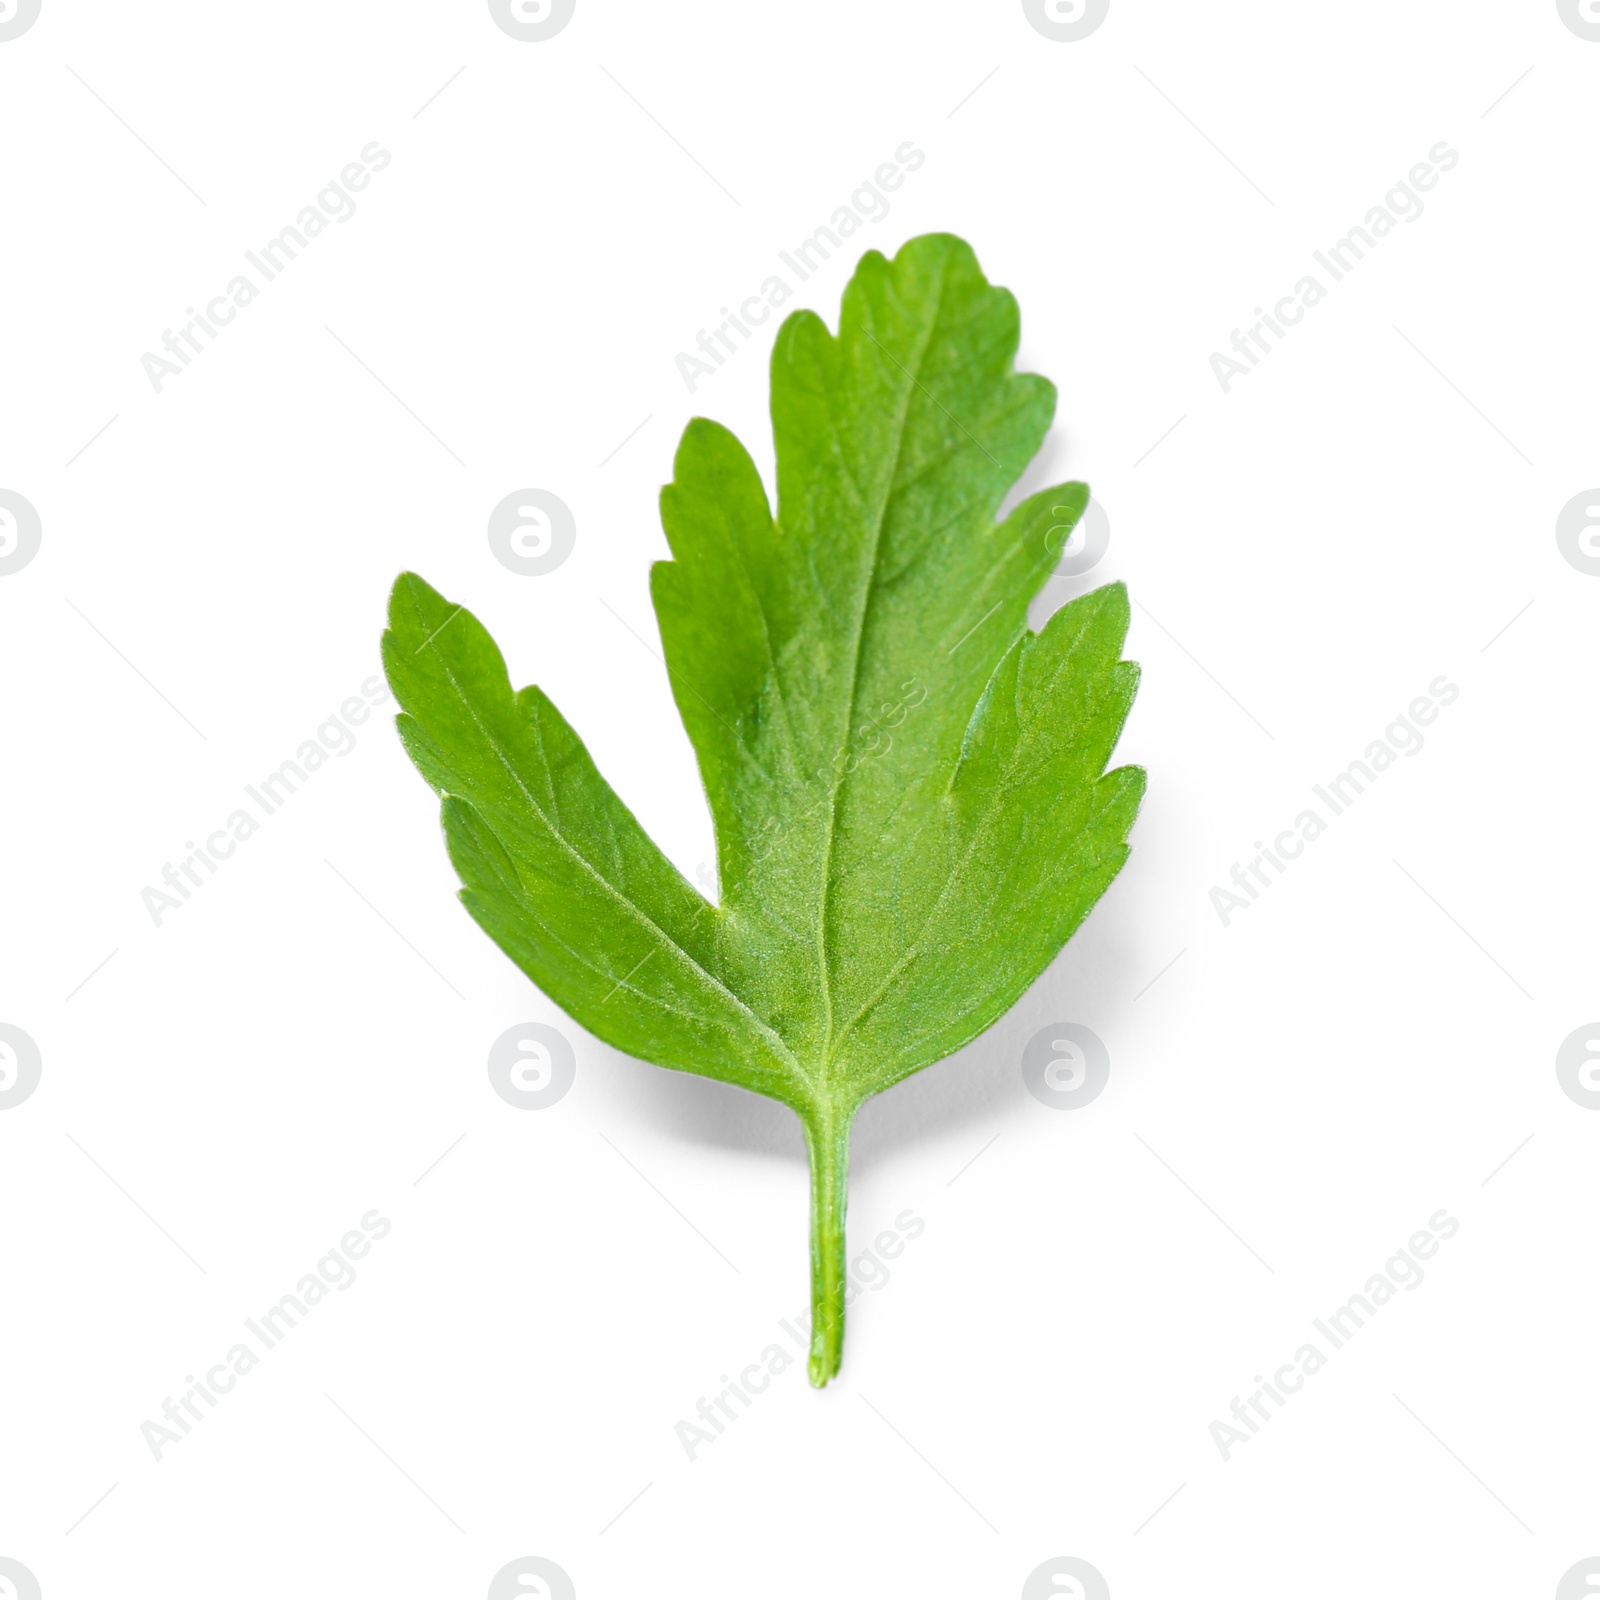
908 786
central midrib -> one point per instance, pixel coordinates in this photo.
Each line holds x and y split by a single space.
913 378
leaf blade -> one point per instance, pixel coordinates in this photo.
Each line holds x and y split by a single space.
555 866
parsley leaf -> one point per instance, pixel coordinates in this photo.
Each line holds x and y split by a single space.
908 786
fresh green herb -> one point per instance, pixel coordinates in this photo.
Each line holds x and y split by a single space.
908 786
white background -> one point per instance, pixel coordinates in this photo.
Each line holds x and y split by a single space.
1289 1100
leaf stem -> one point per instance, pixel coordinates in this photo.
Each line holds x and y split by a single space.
828 1144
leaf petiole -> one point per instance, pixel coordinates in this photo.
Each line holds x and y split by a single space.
828 1146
